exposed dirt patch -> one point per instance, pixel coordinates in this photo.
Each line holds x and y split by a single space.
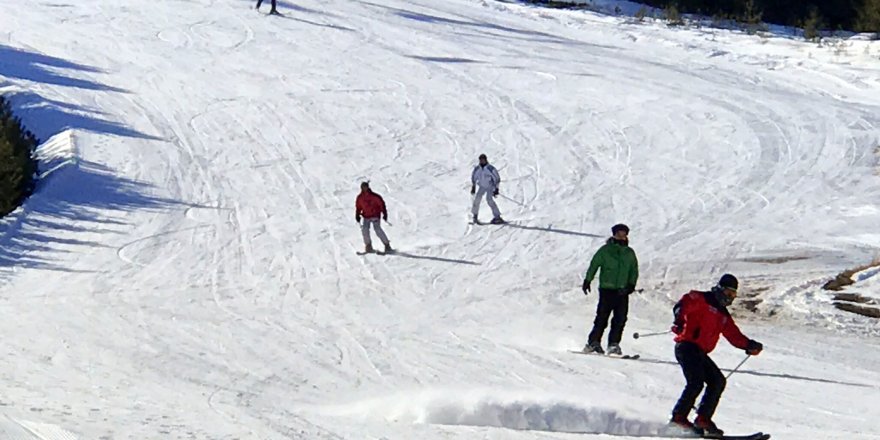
750 299
844 278
853 298
871 312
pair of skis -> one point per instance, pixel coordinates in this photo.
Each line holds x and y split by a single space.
375 252
613 356
755 436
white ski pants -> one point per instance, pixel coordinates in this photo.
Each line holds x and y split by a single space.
490 200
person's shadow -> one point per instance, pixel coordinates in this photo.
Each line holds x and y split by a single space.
432 258
549 228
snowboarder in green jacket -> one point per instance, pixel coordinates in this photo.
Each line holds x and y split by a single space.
617 280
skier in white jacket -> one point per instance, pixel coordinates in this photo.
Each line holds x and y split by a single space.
485 177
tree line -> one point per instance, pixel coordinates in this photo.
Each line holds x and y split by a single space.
851 15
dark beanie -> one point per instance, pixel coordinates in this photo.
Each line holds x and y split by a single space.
619 227
728 281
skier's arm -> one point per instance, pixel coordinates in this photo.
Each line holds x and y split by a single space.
633 275
384 209
679 315
595 263
733 335
357 210
474 179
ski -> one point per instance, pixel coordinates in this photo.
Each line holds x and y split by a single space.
624 356
613 356
368 253
755 436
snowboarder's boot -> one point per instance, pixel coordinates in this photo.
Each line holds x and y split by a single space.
705 427
593 347
615 349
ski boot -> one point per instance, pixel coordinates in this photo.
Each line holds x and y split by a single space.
368 249
705 427
680 421
498 221
615 349
388 249
593 347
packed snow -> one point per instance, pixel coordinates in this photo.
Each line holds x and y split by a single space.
188 267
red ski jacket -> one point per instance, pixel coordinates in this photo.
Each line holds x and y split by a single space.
700 322
369 205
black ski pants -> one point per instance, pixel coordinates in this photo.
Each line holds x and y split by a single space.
260 2
698 369
610 301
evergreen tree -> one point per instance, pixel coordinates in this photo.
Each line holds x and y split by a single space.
17 164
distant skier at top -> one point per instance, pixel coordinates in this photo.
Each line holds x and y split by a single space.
272 12
617 280
700 317
486 178
370 206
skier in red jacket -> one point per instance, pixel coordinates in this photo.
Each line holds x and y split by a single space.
370 206
700 318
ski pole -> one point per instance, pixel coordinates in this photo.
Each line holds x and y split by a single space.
508 198
737 367
636 335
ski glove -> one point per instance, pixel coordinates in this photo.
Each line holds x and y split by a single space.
357 218
495 193
473 189
677 329
628 290
754 348
385 216
586 287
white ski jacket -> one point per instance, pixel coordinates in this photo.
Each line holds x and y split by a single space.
486 177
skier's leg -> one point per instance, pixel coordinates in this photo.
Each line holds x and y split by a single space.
603 310
621 308
273 11
259 2
475 209
365 231
690 357
490 199
715 384
377 226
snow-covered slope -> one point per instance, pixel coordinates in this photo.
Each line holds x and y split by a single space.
191 272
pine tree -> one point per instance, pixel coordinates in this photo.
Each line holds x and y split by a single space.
869 17
17 164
